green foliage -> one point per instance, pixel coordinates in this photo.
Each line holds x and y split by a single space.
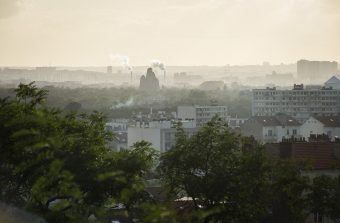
334 211
228 178
324 196
102 99
60 166
289 203
219 171
152 213
320 197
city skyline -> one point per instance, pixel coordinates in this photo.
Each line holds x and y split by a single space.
214 32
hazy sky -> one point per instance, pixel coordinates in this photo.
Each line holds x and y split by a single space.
178 32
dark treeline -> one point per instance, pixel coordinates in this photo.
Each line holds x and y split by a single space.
58 165
121 102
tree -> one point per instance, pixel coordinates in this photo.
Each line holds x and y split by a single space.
73 106
334 212
59 166
288 192
320 196
222 173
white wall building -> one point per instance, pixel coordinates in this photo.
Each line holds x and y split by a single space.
161 134
117 125
311 126
299 103
201 114
328 125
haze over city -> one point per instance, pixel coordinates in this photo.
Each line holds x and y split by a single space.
185 32
169 111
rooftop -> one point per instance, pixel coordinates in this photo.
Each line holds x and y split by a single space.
276 120
329 121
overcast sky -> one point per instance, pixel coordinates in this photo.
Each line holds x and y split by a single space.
178 32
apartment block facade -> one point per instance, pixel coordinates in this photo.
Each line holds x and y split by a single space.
299 103
202 114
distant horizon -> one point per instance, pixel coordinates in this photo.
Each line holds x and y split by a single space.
171 65
176 32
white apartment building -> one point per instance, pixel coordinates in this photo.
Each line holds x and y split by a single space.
161 134
201 114
299 103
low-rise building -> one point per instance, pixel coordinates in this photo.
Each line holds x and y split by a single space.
320 154
202 114
119 129
327 125
235 122
268 129
161 134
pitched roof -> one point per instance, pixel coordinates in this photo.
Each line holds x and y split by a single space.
333 80
276 120
329 121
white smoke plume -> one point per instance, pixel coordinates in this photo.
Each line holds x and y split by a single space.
124 61
157 63
128 103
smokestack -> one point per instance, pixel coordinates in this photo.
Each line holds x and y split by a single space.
131 76
164 75
160 65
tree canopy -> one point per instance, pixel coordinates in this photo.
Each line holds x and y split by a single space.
228 178
60 166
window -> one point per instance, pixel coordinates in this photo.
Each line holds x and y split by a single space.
287 131
294 132
270 132
329 133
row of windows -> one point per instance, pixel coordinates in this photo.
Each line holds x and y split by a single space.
296 104
219 109
221 114
297 98
296 109
296 93
270 132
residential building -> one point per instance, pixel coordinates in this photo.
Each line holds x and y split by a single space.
201 114
161 134
321 154
119 129
315 71
311 126
333 82
317 125
267 129
117 125
299 103
323 157
235 122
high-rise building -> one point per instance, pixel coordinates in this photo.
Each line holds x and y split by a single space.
299 103
315 71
